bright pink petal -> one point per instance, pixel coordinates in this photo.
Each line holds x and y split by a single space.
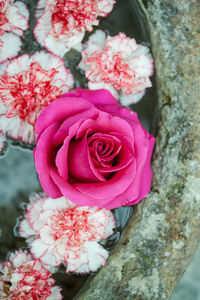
141 184
98 97
62 159
59 110
146 176
70 126
70 192
101 192
43 159
105 123
82 168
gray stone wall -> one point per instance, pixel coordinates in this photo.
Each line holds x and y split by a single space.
163 234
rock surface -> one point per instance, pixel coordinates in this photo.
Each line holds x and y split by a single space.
163 234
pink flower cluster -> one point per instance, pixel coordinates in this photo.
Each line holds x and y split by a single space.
22 277
117 64
27 85
62 24
89 148
13 21
61 232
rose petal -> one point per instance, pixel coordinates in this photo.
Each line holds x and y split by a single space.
62 159
72 124
125 156
114 186
107 124
43 157
80 164
140 186
147 174
59 110
99 97
70 192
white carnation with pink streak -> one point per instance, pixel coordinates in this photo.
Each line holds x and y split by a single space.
27 85
62 24
13 21
117 64
58 231
23 277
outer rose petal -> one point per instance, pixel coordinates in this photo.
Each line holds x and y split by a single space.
98 97
44 153
61 111
146 176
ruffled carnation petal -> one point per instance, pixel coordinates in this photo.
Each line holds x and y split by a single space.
62 25
27 85
45 253
17 15
10 45
92 257
25 230
68 234
120 65
13 21
23 277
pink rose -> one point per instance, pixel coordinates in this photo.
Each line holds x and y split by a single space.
93 151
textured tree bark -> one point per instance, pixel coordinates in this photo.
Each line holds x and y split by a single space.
163 234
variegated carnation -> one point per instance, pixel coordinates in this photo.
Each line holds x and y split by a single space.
22 277
27 85
117 64
13 21
58 231
62 23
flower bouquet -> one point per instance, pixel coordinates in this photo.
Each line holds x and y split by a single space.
92 154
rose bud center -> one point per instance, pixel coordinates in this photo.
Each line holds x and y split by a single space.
96 157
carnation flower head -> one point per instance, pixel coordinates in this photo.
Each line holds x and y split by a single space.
58 231
13 21
27 85
23 277
63 23
117 64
